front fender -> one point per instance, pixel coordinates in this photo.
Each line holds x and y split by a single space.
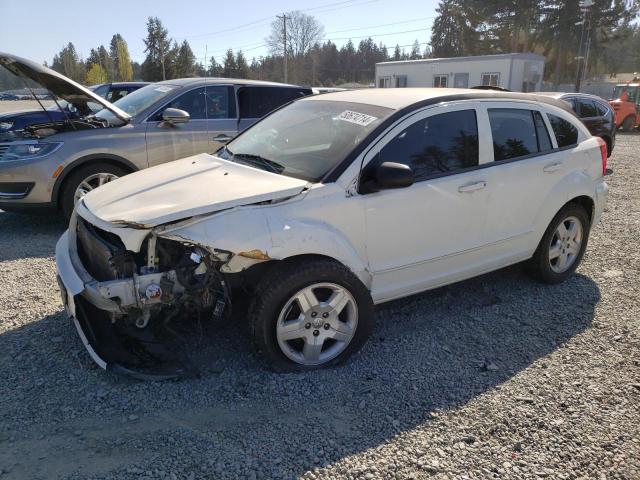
250 229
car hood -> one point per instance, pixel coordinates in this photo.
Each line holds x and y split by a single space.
17 114
185 188
57 84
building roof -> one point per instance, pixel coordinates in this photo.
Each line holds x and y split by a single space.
398 98
231 81
524 56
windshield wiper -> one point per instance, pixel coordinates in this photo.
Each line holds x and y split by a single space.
257 161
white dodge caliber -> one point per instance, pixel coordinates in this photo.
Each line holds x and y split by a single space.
326 207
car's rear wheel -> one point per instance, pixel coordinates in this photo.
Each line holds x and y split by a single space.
310 314
562 246
628 124
85 179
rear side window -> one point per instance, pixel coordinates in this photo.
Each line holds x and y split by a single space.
566 133
514 133
436 145
256 102
602 110
587 109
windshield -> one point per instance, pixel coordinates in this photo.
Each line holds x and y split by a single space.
139 100
631 91
307 138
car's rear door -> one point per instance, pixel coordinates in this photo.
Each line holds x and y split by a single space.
167 142
431 232
524 170
222 116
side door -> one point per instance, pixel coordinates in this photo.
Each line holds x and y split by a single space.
590 116
430 233
222 116
167 142
525 168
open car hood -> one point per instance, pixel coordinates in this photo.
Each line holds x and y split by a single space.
58 85
185 188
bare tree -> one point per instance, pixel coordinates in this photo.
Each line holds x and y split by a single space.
303 31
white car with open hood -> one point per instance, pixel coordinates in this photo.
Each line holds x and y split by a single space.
324 208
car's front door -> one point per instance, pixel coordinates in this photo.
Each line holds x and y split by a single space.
167 142
431 232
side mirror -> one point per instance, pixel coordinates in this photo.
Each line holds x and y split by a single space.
175 115
387 175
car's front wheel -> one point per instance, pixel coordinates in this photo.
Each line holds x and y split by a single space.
562 246
310 314
85 179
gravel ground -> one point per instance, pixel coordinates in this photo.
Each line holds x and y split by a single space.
496 377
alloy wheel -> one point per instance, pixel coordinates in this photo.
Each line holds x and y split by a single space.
317 323
91 183
565 245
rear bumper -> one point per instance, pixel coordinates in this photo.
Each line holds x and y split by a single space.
602 193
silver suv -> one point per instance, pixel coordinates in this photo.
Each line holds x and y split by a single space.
55 163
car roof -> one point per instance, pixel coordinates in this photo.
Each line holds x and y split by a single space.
231 81
400 98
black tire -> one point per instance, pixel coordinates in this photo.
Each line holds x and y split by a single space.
539 266
75 178
628 124
282 282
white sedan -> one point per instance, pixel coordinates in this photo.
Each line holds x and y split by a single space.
328 206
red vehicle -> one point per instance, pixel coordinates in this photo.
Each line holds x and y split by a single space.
626 106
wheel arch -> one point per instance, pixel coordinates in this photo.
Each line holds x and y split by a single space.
80 162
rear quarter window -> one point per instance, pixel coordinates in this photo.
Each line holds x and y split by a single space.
566 133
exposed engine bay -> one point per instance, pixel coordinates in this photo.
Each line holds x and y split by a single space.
148 291
42 130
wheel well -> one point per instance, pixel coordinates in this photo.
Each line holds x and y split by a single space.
58 187
586 203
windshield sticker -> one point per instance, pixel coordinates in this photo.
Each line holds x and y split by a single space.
163 89
357 118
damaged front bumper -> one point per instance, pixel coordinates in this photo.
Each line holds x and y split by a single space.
89 304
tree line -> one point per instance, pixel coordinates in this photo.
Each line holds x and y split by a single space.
552 28
461 27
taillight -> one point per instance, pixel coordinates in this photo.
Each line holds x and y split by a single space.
603 152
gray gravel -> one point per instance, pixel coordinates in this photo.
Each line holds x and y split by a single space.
496 377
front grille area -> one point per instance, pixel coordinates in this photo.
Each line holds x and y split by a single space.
102 253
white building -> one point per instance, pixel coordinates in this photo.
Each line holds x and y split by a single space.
519 72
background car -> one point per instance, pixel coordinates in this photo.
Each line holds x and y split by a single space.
18 120
158 123
595 113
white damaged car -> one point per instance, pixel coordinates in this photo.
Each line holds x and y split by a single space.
324 208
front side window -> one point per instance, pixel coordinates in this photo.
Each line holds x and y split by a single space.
566 133
491 79
256 102
436 145
514 133
440 81
306 139
193 102
587 109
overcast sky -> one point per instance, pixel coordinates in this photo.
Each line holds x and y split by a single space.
38 29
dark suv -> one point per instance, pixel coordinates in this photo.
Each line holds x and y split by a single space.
594 112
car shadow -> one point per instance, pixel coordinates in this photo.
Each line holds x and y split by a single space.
28 236
429 352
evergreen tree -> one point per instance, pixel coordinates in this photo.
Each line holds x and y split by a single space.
229 68
157 48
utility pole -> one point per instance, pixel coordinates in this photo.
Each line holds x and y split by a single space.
584 7
284 21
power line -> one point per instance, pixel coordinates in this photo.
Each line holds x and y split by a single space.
381 25
380 34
